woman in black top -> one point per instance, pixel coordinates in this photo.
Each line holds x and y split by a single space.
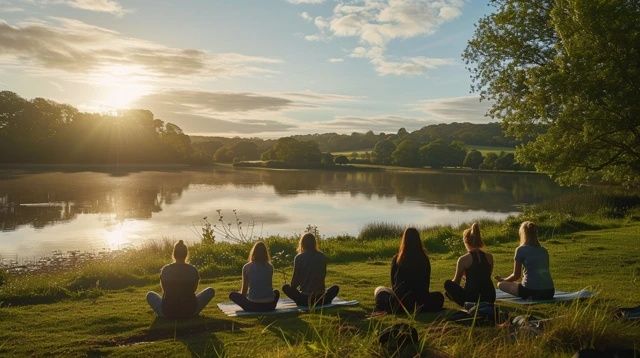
410 275
476 266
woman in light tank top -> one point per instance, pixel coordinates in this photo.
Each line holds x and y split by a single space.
257 293
531 263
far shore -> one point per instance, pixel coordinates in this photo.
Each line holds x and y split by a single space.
182 166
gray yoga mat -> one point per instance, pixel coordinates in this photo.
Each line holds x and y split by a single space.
285 305
560 296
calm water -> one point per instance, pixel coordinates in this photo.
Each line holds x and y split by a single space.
45 211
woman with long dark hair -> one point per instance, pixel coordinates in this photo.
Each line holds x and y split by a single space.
307 286
179 281
410 276
476 267
257 293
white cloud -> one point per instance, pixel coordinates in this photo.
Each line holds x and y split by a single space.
76 47
336 60
456 109
384 123
375 23
234 113
108 6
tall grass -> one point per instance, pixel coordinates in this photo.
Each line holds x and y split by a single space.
378 230
376 241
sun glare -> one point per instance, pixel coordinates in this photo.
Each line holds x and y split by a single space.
120 85
120 235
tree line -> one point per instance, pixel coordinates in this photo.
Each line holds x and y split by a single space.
438 154
43 131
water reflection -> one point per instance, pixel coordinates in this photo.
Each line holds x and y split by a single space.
41 211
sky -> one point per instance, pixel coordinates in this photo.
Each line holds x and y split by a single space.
263 68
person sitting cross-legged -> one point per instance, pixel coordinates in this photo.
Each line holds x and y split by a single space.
410 279
532 259
476 267
179 281
307 286
257 293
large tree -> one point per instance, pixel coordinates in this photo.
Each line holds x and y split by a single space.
563 76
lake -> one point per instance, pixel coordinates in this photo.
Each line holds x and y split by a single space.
42 211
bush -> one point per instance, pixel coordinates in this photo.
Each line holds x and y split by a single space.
380 230
341 160
3 277
437 239
473 159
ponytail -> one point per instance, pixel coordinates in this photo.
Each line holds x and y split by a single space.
180 251
472 238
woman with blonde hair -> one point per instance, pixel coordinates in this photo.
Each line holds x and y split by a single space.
179 281
476 267
410 279
533 260
307 286
257 293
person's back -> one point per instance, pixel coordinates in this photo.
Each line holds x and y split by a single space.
260 276
535 263
410 279
179 283
310 269
410 276
478 277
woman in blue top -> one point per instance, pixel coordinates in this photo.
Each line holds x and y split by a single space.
257 293
531 262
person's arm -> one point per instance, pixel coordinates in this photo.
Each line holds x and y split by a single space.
161 286
460 269
196 281
428 275
295 277
515 276
394 271
245 281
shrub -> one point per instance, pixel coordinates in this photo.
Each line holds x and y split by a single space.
438 239
379 230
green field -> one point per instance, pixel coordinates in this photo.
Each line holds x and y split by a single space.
112 318
488 149
349 152
481 148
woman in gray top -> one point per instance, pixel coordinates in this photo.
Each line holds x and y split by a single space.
309 270
533 260
257 293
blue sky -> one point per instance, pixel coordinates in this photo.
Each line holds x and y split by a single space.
248 68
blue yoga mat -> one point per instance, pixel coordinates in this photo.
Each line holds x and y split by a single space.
560 296
285 305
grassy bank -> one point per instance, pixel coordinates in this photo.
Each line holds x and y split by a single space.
99 308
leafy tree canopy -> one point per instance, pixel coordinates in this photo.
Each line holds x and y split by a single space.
563 76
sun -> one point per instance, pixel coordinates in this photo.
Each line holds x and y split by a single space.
120 85
121 235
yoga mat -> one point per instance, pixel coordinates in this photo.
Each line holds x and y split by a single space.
559 296
285 305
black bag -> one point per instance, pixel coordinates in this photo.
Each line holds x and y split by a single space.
398 336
